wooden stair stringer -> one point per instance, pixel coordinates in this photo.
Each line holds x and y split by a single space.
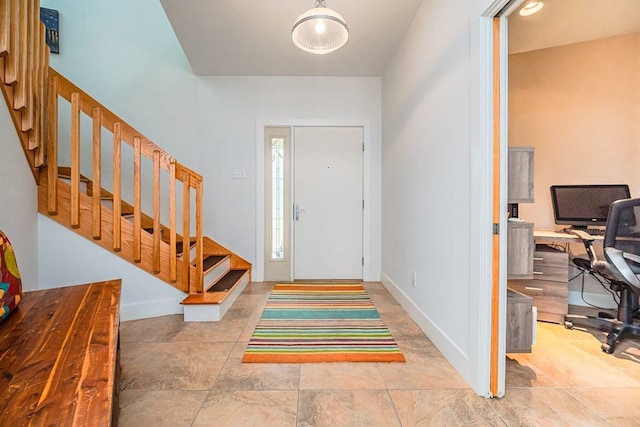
214 248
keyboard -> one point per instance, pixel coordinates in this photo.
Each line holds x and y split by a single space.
595 231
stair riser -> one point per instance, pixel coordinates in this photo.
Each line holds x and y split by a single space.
216 273
192 254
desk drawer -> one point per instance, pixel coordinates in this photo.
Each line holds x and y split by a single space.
541 287
550 257
550 298
549 272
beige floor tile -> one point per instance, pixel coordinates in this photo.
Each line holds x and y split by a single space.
159 408
519 373
320 408
443 408
544 407
619 406
156 329
421 375
340 376
249 327
175 365
402 327
236 375
170 368
228 330
247 408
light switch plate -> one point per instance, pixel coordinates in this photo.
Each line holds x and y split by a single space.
238 174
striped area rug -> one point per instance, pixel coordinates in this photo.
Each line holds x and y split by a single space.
321 323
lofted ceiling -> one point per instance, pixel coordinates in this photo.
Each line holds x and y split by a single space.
253 37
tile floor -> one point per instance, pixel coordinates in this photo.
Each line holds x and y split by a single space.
190 374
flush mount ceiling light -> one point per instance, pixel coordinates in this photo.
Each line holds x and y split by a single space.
320 30
531 7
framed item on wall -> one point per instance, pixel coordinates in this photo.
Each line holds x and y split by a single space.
50 19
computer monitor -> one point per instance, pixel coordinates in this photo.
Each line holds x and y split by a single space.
585 205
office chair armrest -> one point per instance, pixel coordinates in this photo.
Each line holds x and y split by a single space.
582 235
631 257
587 240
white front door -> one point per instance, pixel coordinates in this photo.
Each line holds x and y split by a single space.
328 202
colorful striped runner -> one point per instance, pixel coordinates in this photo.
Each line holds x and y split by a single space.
321 323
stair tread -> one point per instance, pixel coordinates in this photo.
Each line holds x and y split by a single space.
211 261
212 296
227 281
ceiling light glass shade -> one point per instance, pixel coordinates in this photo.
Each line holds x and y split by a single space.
320 30
531 7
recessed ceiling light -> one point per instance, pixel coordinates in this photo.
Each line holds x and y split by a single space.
531 7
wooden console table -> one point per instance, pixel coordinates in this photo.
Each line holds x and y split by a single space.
59 357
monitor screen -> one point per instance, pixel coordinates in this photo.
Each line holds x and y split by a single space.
584 205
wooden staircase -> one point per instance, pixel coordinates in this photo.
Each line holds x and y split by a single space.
117 188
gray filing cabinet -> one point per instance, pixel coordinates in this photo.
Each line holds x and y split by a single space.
549 287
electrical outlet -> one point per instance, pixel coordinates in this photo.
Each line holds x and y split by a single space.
413 279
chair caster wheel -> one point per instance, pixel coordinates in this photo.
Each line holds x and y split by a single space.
568 324
607 348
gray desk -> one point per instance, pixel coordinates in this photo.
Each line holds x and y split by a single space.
546 236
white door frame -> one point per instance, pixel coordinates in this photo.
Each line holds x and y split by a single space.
482 51
370 269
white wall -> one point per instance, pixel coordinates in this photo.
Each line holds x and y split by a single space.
66 258
435 203
18 201
126 55
430 155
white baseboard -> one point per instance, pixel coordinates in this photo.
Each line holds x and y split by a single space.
454 354
148 309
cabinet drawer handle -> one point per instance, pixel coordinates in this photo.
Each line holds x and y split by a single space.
539 273
538 259
531 288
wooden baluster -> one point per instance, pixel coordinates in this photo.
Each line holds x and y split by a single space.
75 160
43 77
156 211
117 187
199 248
12 60
52 146
20 93
29 79
137 201
173 267
34 101
97 183
5 26
186 232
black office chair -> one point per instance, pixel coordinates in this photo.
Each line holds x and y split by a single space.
621 269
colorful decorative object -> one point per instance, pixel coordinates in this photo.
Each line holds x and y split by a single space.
10 282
